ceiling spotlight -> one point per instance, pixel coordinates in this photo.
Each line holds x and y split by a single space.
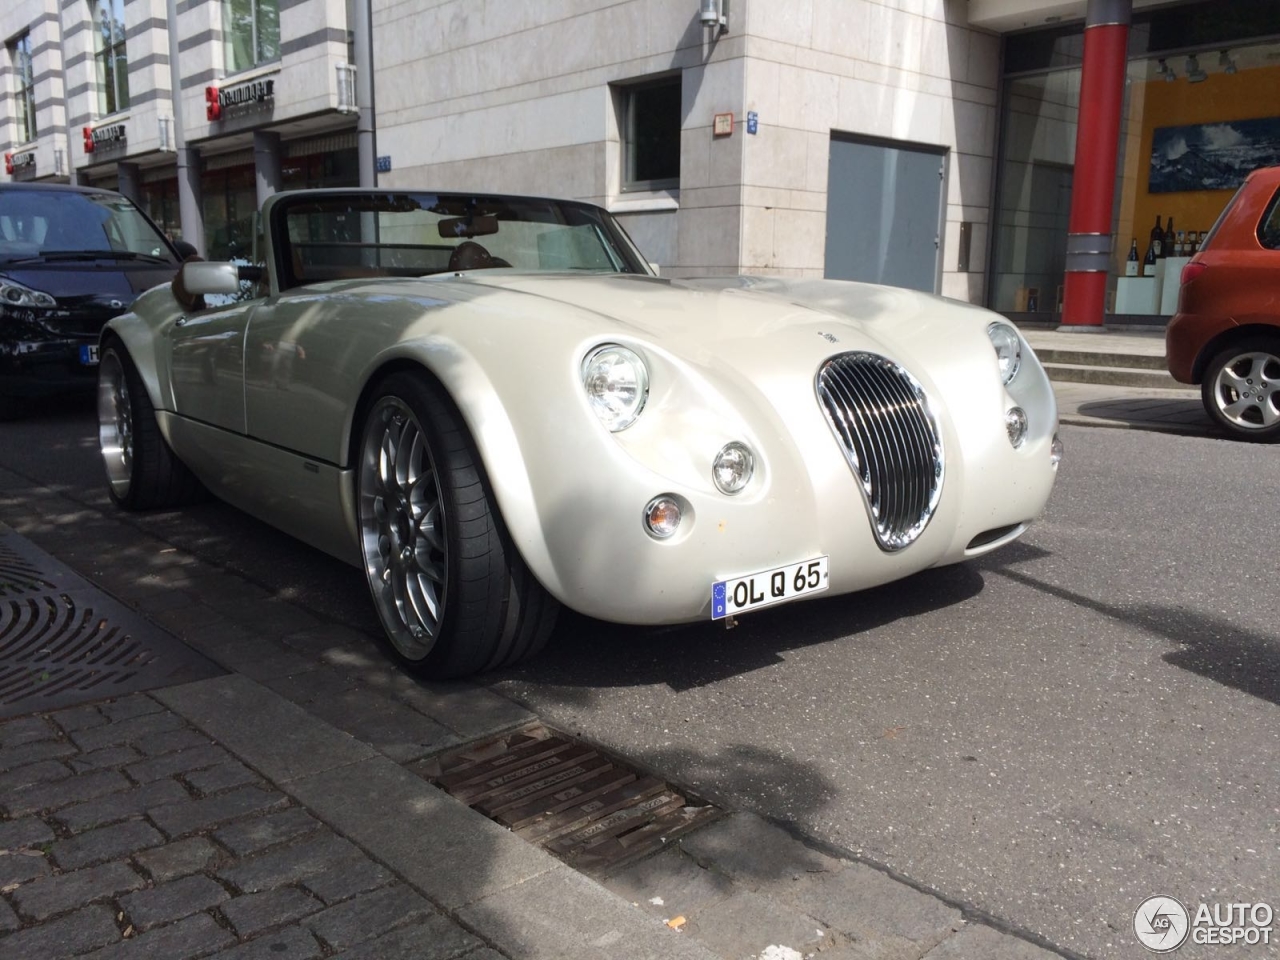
1194 73
1166 71
1226 63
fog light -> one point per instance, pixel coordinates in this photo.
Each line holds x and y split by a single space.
733 467
1015 422
1055 452
662 516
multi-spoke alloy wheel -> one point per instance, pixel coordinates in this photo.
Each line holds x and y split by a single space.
452 592
115 423
1242 390
142 471
402 522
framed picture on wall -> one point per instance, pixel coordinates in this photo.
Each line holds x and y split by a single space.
1212 156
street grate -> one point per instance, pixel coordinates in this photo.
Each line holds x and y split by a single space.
587 807
63 641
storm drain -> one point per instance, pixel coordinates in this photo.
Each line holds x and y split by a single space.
63 641
587 807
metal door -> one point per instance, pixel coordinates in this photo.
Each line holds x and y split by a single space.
884 213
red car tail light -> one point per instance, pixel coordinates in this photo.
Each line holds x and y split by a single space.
1191 271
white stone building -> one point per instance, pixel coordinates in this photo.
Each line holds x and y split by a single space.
926 143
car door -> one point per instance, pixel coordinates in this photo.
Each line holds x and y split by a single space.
207 365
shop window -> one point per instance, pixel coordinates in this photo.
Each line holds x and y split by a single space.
109 54
1194 124
252 32
651 115
24 88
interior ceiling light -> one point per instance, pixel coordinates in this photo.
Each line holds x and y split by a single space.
1226 63
1194 73
1167 72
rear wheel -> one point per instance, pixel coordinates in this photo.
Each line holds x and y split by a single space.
452 593
142 472
1241 389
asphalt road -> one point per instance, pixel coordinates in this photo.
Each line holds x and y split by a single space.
1051 735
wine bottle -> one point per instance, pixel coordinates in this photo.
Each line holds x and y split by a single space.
1131 262
1157 237
1166 248
1149 261
1180 245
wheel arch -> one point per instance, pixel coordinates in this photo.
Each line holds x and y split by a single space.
494 436
1246 329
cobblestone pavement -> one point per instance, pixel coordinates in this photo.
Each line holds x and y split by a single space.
129 833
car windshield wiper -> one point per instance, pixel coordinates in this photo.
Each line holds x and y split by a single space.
93 255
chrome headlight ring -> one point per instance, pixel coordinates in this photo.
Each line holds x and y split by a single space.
1008 346
616 381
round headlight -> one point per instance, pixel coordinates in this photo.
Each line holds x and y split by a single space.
733 467
1008 349
1015 423
617 384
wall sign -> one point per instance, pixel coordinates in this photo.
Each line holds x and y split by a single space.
753 122
722 125
95 137
18 164
384 164
217 100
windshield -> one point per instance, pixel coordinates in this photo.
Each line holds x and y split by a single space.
338 236
64 224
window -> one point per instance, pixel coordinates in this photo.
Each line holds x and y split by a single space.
1269 228
252 31
25 111
651 135
108 52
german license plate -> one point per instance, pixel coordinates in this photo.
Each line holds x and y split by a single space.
732 597
89 354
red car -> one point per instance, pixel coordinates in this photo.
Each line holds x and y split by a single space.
1226 333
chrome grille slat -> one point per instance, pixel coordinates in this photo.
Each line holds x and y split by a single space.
881 419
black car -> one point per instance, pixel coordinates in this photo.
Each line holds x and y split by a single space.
71 258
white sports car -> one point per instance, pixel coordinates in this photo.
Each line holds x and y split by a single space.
493 406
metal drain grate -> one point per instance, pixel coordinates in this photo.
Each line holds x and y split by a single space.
582 804
63 641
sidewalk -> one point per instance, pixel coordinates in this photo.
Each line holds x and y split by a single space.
276 811
1100 405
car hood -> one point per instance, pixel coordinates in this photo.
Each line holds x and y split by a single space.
89 293
761 326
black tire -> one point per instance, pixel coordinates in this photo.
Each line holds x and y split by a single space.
452 593
1241 389
142 472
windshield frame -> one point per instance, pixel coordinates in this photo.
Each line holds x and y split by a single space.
621 248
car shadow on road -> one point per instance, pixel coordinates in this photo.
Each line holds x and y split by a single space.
589 653
1210 645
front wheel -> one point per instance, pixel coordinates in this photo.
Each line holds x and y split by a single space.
142 472
1241 389
453 595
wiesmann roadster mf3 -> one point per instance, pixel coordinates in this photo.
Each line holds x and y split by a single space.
494 407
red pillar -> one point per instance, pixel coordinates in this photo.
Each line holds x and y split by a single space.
1106 39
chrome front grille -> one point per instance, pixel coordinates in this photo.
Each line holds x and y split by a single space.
881 418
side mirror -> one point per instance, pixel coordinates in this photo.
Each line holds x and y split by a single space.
654 267
203 276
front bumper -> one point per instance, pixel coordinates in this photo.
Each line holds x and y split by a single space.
46 368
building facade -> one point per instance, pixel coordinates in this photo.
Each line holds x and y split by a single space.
923 143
